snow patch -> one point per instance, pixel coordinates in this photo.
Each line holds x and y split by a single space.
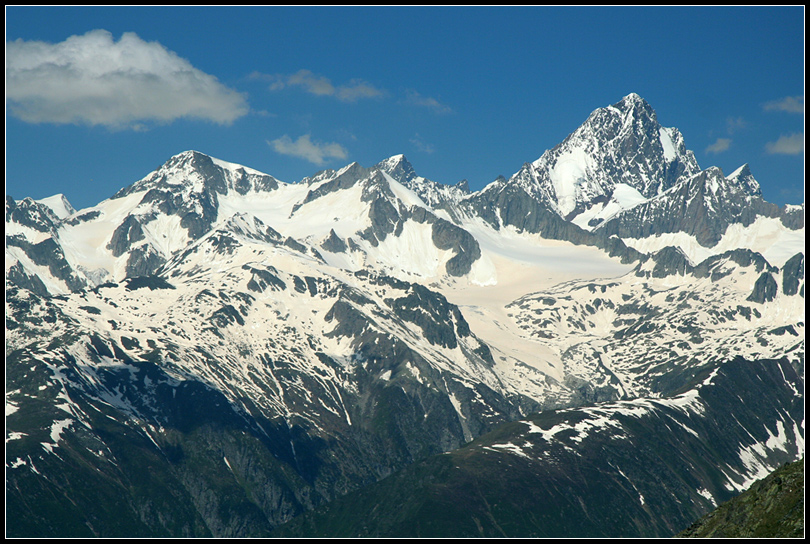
665 135
56 434
708 496
509 447
11 407
568 176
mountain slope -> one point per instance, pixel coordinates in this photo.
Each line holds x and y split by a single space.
641 468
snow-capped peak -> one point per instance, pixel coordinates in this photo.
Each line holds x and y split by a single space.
634 99
195 172
618 144
394 160
59 205
195 160
398 168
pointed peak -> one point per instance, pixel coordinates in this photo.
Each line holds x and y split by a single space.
398 168
396 159
713 181
192 159
195 158
743 170
348 175
351 167
187 156
743 178
634 99
634 103
463 186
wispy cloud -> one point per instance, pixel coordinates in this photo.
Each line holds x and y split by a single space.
415 99
357 89
304 148
94 80
722 144
312 83
421 145
790 104
735 124
787 145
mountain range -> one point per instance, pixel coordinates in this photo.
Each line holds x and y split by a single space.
214 352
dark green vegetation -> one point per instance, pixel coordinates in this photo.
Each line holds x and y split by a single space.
771 508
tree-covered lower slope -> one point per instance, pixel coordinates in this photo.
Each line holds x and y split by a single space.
770 508
641 468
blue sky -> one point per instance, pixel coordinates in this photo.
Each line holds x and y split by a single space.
96 98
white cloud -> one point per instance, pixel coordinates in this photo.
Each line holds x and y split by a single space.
722 144
94 80
305 148
787 145
356 89
416 99
320 85
790 104
310 82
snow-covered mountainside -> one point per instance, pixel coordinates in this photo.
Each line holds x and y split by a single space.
265 347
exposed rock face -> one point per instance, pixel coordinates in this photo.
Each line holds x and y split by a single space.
49 254
30 213
125 235
143 261
18 276
466 249
793 275
345 180
702 206
334 243
765 289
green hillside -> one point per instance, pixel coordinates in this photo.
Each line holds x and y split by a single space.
771 508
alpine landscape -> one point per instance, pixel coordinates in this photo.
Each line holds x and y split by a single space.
608 343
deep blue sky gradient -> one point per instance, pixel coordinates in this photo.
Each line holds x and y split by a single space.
512 82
